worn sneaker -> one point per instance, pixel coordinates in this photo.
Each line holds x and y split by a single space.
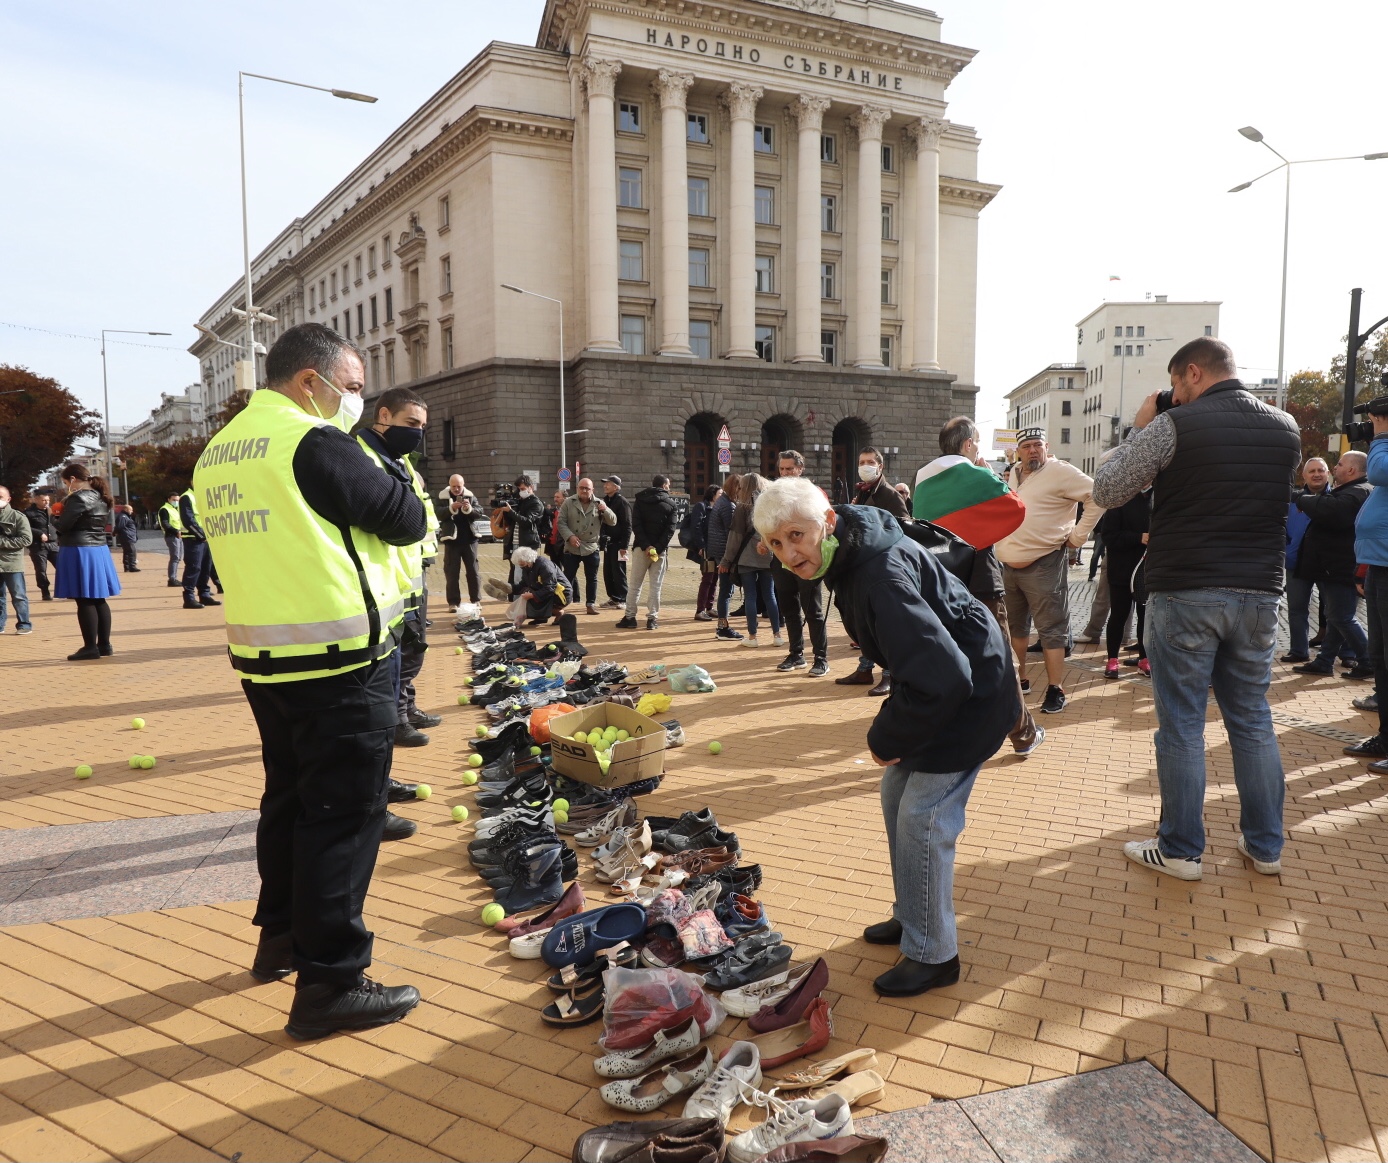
1055 700
1266 867
627 623
792 662
652 622
1375 747
1367 703
728 633
738 1070
1036 741
1112 669
1144 666
1149 855
1026 686
800 1121
820 668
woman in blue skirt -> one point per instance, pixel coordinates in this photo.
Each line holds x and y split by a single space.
85 571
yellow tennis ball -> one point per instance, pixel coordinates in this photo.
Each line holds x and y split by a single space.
474 760
715 747
134 762
83 771
138 724
469 777
560 805
536 750
463 700
481 730
459 813
457 650
423 792
493 913
147 761
561 817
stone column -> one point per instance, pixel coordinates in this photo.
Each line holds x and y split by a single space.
925 320
671 87
867 298
808 112
600 79
741 101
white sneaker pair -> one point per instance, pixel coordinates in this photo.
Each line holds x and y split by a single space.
1148 853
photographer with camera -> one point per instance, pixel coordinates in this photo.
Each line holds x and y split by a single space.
1221 464
1371 549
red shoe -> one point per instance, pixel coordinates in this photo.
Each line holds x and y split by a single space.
568 905
792 1042
1112 669
1145 666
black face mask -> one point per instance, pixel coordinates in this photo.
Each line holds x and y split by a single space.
401 440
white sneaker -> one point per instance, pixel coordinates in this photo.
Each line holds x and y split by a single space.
528 948
739 1069
1149 855
1266 867
750 641
777 640
801 1121
665 1044
746 1000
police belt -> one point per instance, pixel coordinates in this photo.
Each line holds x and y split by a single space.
334 658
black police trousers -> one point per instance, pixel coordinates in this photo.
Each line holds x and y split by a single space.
327 745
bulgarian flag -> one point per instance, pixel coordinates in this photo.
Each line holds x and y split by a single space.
968 500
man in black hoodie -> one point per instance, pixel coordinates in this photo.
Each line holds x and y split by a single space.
953 701
652 525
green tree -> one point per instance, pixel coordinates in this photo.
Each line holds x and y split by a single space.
1314 402
40 425
1369 369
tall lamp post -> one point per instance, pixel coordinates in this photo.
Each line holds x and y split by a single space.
105 394
1286 164
251 313
563 414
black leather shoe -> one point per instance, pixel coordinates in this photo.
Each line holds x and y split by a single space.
407 736
187 605
401 793
886 932
320 1010
856 678
208 600
908 978
883 688
1358 671
87 652
1289 658
1312 668
422 719
1371 748
105 651
274 957
398 828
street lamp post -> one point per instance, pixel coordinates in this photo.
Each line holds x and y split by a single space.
251 313
1255 135
563 415
105 393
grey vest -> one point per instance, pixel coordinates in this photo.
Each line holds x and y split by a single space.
1219 509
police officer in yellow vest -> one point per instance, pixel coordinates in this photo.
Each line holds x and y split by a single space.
171 527
304 525
197 555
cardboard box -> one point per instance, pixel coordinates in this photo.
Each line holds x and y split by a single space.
640 757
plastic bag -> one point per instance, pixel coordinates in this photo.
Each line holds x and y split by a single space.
468 612
642 1002
540 717
691 679
652 704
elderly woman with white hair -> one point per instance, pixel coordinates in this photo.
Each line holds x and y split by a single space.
953 701
542 586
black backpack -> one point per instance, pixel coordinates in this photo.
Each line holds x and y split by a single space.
955 554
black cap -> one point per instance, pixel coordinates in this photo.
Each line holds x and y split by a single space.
615 480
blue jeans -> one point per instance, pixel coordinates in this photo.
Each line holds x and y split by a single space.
13 583
760 594
1195 639
1343 634
924 814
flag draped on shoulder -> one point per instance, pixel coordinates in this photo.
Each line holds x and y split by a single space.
968 500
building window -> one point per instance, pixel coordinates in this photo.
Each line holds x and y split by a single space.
886 287
322 292
446 336
765 274
450 439
765 203
358 268
1065 407
1128 349
371 259
361 319
828 149
1208 329
629 117
376 370
701 338
698 197
335 323
443 213
886 351
828 213
1141 331
629 188
390 366
827 280
633 265
344 278
385 252
888 159
390 307
1140 348
1117 349
766 344
698 267
829 346
446 275
887 232
1065 436
334 284
763 139
697 129
634 334
1130 333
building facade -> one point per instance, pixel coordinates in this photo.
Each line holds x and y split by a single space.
1125 348
1051 399
754 214
177 418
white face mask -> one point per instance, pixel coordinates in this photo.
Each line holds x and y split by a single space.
525 492
349 407
868 472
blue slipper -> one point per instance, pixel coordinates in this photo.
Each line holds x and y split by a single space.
577 940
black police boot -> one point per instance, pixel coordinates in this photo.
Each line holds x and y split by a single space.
418 718
320 1010
402 793
398 828
274 957
407 736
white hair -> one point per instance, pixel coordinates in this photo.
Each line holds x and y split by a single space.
788 499
523 556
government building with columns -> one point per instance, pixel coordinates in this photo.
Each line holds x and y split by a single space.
754 213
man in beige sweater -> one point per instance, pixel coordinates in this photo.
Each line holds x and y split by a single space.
1035 582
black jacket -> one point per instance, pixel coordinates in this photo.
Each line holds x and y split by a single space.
1122 528
525 523
459 523
617 536
83 519
41 522
125 529
540 580
880 495
1327 550
954 691
653 519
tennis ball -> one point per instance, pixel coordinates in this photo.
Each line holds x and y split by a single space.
423 792
457 650
460 813
134 762
147 761
715 747
561 805
561 817
536 750
474 760
469 778
623 736
83 771
137 724
493 913
481 730
580 736
463 700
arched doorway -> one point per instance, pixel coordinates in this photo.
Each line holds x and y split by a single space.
778 433
849 436
700 452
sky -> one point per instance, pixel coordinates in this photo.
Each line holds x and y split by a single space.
1111 128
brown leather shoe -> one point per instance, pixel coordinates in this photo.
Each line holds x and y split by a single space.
848 1149
618 1140
882 688
856 678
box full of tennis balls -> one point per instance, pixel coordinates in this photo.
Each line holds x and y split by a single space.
588 745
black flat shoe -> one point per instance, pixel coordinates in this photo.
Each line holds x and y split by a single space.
886 932
274 957
398 828
105 651
401 793
85 654
908 978
320 1010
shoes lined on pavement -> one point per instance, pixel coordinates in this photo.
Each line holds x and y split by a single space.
800 1121
793 1007
738 1070
655 1089
401 793
1148 853
673 1043
684 1140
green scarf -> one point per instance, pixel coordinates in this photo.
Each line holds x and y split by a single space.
828 547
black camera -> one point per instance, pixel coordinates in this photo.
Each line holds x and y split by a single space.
1166 400
1364 429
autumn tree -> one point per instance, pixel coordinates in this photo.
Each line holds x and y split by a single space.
1314 402
40 425
156 470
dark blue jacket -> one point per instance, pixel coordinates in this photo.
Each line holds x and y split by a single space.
954 691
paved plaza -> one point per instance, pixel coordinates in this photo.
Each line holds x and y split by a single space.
132 1030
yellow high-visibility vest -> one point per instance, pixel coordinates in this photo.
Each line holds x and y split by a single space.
170 510
408 559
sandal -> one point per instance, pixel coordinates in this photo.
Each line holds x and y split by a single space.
818 1073
619 956
576 1008
863 1087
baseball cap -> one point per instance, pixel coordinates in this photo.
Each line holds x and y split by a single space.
616 480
